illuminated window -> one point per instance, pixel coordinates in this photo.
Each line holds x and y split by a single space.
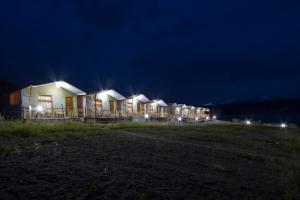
98 103
129 106
45 101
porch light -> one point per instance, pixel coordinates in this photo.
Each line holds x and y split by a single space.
39 108
283 125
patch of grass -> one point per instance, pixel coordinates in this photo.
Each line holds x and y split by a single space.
291 183
188 179
85 192
217 167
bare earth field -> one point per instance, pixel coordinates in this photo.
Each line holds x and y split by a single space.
133 161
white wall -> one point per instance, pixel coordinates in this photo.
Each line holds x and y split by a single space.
58 96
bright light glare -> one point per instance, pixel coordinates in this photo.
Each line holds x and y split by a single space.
146 116
214 117
180 119
59 84
196 118
207 118
248 122
39 108
283 125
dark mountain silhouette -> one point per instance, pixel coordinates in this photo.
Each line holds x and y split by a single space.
270 111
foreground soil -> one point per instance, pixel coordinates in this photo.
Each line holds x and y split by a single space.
156 162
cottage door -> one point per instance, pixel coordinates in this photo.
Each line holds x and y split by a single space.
69 107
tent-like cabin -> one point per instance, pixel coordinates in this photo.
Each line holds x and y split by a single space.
137 105
178 109
192 112
106 103
172 110
202 112
52 100
185 111
158 108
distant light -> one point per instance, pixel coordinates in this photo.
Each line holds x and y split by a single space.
180 119
59 84
39 108
283 125
146 116
196 118
248 122
207 118
30 108
214 117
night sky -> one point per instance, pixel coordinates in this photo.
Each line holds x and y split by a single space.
192 52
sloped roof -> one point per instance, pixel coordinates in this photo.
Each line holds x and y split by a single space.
140 97
173 104
160 102
114 94
64 85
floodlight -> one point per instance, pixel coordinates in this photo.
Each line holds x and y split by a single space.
59 84
283 125
248 122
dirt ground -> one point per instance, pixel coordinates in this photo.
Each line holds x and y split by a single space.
153 163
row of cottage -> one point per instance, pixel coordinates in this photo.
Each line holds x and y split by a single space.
60 99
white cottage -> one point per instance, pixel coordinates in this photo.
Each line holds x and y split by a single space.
158 108
137 105
106 103
202 112
50 100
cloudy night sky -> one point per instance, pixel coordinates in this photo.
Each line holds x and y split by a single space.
191 51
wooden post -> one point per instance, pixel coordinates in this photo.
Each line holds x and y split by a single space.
115 107
30 101
132 111
95 107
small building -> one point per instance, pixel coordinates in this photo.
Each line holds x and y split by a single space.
106 103
192 112
158 108
177 109
51 100
185 111
202 113
137 105
5 89
172 110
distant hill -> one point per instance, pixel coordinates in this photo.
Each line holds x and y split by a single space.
276 106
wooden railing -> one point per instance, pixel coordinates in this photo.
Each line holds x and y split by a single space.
60 113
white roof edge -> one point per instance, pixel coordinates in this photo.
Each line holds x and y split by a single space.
112 93
143 98
64 85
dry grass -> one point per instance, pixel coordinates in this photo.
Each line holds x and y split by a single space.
275 148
